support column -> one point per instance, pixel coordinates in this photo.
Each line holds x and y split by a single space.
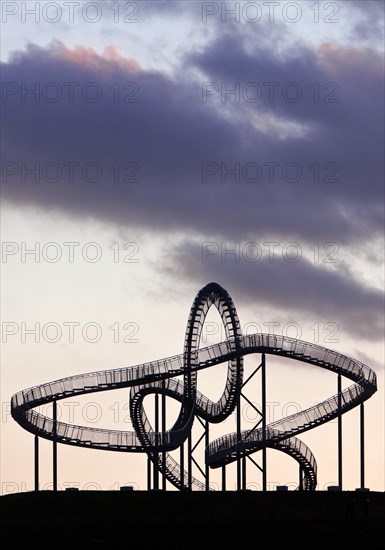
362 444
264 462
54 457
239 464
156 470
207 469
149 467
36 463
339 387
244 473
181 467
189 461
164 479
223 478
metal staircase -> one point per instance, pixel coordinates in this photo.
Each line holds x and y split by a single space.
159 377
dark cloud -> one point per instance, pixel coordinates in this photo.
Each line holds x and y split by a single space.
142 11
347 131
170 132
370 27
299 288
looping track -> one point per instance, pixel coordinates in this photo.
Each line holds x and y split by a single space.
160 377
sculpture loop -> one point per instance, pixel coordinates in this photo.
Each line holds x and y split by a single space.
159 377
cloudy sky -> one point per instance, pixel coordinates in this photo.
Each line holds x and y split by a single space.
152 147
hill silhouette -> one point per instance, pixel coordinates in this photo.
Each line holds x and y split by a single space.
174 520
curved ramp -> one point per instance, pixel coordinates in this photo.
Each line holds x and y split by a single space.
160 377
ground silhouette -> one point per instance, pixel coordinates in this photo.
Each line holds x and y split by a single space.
174 520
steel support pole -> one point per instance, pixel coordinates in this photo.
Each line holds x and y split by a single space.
264 461
36 463
362 444
244 473
149 467
339 389
54 457
181 467
207 469
223 478
164 479
239 464
189 461
300 477
156 470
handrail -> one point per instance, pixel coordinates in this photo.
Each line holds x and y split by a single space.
159 377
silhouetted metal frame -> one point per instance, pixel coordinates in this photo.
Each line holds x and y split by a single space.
362 445
36 457
339 427
262 420
158 377
54 453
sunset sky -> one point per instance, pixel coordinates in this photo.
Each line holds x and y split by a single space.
152 147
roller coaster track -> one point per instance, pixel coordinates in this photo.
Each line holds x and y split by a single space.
160 377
